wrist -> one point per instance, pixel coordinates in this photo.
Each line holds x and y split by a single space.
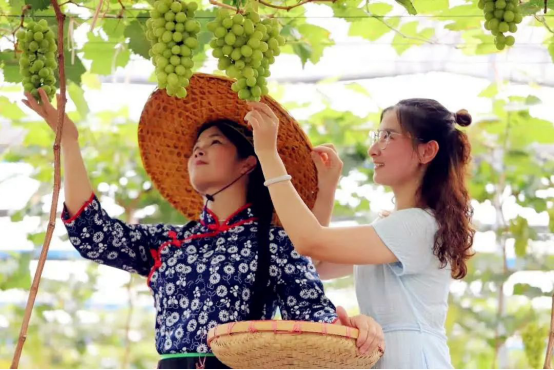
327 191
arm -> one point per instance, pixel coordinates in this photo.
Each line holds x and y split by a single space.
344 245
105 240
91 231
77 187
329 168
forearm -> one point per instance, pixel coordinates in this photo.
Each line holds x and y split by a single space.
323 207
298 221
77 186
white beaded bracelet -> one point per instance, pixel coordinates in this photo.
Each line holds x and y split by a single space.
276 180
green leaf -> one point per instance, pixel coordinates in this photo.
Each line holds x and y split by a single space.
348 9
37 239
15 272
408 5
91 81
460 21
486 46
532 100
18 216
490 91
435 6
527 290
551 222
16 4
312 43
358 88
102 54
10 66
38 4
520 231
138 43
409 36
77 94
372 28
73 71
534 6
379 9
115 29
303 50
10 110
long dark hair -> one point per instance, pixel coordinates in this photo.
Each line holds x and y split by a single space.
258 196
443 188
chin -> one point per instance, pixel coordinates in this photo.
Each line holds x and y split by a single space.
377 179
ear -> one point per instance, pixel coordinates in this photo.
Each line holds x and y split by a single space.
249 164
428 151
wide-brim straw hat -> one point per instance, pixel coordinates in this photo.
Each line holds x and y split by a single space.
288 345
169 126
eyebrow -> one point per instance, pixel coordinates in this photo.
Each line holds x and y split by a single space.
389 129
209 137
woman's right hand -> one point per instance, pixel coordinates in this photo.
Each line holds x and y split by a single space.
371 337
50 114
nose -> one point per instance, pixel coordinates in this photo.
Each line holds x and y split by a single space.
373 150
199 152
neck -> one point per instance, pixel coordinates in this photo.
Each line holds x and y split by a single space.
406 195
229 200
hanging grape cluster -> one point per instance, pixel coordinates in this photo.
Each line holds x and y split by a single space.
501 16
245 47
37 63
173 33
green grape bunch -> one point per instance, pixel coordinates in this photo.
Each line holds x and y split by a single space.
173 33
37 64
246 47
534 342
501 16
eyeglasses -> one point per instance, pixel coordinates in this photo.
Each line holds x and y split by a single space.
382 138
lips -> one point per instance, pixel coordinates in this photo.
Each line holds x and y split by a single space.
199 162
378 165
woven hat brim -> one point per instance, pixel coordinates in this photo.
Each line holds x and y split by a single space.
167 133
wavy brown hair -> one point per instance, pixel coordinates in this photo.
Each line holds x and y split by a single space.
443 188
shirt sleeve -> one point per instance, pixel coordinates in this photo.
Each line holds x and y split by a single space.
109 241
298 286
410 235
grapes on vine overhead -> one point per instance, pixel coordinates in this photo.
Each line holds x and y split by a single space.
37 63
173 34
245 47
501 17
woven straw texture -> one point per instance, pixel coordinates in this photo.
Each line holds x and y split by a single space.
288 345
167 133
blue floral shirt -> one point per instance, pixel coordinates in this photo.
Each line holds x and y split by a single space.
201 274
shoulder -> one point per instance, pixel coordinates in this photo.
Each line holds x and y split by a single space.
416 219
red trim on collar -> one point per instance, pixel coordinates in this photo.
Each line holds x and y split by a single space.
216 219
157 254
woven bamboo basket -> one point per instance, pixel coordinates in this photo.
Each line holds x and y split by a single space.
288 345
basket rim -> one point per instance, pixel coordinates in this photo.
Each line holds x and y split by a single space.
281 327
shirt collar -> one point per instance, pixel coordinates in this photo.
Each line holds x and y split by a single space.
210 220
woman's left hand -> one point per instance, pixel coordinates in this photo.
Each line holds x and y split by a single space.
371 337
265 125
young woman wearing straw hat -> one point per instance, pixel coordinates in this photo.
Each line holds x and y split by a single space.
199 154
403 263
